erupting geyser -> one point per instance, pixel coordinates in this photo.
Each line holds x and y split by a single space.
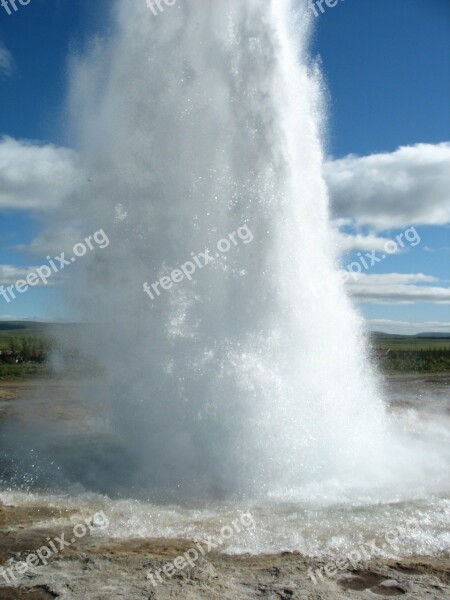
253 377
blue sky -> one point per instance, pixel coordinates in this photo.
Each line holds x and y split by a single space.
386 65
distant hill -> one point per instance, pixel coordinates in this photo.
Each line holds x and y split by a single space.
11 325
380 334
23 326
39 328
35 329
431 335
410 343
434 335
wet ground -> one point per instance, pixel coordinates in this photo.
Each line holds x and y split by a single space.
100 566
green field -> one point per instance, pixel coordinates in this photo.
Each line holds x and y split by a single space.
25 338
17 330
408 354
410 343
414 354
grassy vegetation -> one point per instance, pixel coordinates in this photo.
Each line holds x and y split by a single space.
408 354
25 339
410 343
18 330
421 361
23 371
411 354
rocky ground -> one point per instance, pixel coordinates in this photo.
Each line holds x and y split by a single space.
95 567
98 568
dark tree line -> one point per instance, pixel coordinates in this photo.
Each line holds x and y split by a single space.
26 349
431 360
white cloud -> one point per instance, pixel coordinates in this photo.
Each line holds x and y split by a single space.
401 294
392 279
35 177
52 241
383 191
347 242
7 65
397 288
392 190
428 249
9 274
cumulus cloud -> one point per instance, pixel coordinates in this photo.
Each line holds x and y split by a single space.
35 177
53 241
7 65
394 278
397 288
410 186
380 192
9 274
347 242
